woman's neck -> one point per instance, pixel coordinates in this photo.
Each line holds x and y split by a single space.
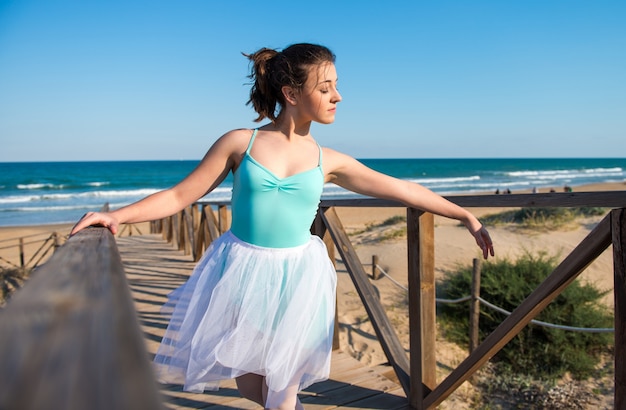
289 127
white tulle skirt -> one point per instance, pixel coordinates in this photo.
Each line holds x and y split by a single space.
250 309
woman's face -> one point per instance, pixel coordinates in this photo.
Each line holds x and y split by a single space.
319 96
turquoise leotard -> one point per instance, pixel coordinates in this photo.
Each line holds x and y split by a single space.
270 211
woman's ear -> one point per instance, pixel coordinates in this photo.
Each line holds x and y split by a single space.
290 95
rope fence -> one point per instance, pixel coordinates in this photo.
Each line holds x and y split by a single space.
498 309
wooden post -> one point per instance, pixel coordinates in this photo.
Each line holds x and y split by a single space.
375 271
180 230
223 218
195 216
429 308
199 236
168 228
211 226
22 252
187 231
475 306
618 233
422 321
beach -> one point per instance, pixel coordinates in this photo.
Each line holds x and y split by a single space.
453 246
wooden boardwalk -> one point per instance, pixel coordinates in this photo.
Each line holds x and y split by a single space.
154 268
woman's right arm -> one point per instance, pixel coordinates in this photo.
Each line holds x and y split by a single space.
221 158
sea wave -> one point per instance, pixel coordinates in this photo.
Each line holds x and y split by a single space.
41 186
51 186
600 172
13 199
57 208
449 180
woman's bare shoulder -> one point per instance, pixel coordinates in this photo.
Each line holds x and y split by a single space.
237 136
233 141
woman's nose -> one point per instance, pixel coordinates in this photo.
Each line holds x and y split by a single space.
337 96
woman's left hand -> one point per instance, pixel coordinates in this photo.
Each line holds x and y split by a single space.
483 240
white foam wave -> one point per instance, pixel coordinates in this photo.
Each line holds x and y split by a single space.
616 171
49 208
15 199
96 184
132 194
136 193
445 180
40 186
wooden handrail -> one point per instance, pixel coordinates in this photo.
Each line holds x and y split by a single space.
606 199
69 339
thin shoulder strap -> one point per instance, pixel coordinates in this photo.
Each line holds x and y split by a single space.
251 141
319 161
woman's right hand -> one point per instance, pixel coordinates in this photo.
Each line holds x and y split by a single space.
105 219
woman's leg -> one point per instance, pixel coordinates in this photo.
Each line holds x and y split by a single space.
290 399
251 387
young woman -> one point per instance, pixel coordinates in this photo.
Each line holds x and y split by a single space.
259 307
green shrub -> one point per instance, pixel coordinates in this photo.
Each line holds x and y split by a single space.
549 218
536 350
396 219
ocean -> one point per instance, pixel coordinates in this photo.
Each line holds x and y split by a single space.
37 193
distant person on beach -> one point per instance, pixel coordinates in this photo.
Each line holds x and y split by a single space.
259 306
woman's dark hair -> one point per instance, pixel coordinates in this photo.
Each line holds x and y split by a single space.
271 70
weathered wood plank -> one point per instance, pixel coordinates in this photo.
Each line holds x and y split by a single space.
188 231
618 229
388 400
607 199
422 313
224 223
69 339
384 330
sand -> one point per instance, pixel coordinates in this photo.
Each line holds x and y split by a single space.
453 246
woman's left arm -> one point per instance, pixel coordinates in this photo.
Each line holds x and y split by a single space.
350 174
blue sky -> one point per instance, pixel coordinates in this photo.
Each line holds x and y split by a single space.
123 80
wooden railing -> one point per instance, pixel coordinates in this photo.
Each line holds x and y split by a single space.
72 331
195 228
70 339
41 245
